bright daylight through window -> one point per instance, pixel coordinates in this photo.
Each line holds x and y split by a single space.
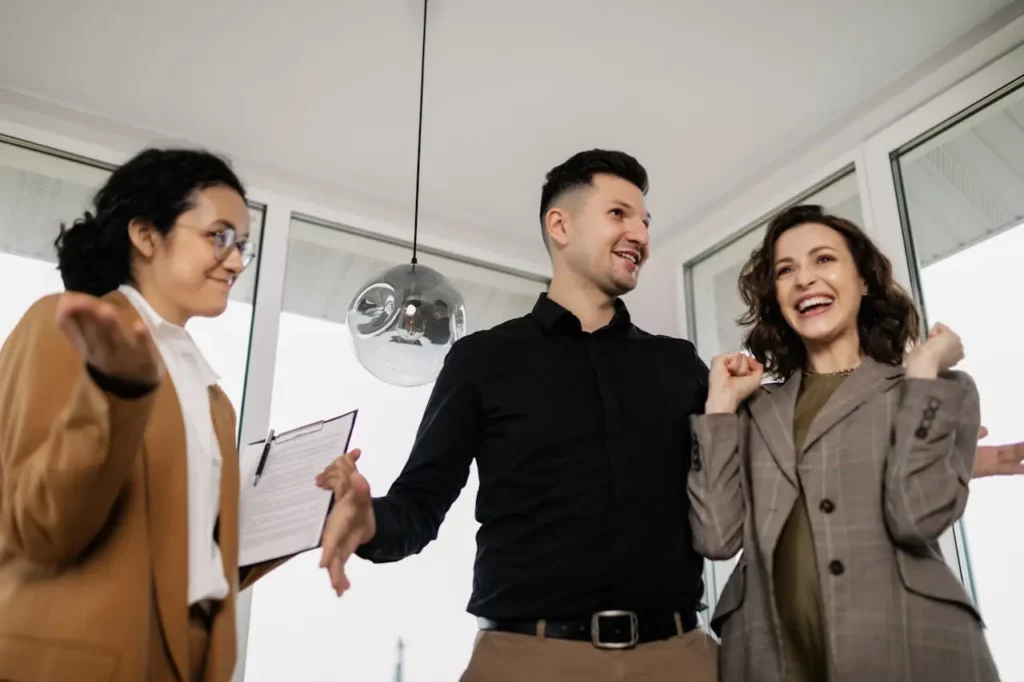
421 600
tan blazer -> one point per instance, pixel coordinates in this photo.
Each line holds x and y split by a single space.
93 518
885 470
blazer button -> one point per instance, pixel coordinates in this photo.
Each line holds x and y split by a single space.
921 433
827 506
835 567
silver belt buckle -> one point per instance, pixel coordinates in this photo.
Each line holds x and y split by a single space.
595 630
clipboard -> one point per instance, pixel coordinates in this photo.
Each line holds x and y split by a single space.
305 510
299 431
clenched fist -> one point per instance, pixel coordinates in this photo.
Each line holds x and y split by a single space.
941 351
733 378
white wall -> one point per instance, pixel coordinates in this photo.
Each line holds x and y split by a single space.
840 145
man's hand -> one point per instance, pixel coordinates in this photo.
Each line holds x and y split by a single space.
93 328
351 522
998 460
338 475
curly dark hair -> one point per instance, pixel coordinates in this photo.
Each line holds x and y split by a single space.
888 322
579 170
157 185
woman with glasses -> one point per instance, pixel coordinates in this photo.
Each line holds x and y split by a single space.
119 475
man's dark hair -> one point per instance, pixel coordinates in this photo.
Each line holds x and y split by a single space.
579 171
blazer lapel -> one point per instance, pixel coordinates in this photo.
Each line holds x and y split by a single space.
866 381
772 414
222 647
166 467
167 482
227 525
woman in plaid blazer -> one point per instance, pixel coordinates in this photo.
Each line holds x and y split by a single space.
837 481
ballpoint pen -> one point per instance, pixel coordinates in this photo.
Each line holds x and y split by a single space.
263 457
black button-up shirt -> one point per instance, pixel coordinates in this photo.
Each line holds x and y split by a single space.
582 447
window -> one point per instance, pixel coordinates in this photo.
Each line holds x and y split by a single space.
38 192
715 305
296 619
962 190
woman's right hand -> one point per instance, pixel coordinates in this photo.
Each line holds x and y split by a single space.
733 378
104 342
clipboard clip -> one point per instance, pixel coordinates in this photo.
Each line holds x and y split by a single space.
300 431
283 438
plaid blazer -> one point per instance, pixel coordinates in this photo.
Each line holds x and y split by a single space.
885 470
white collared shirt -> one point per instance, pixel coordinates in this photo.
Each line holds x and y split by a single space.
192 377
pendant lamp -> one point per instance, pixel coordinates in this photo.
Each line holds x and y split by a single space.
404 321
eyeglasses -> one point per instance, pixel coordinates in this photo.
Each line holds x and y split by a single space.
224 240
227 239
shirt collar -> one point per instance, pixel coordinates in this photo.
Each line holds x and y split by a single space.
552 317
168 334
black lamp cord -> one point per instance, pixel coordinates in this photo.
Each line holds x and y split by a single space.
419 138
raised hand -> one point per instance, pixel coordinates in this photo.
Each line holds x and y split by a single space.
941 351
351 522
104 342
733 378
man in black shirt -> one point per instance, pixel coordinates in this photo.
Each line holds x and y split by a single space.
579 424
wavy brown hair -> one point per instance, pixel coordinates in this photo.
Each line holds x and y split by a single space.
887 323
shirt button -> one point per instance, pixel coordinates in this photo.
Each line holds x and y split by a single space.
835 567
827 506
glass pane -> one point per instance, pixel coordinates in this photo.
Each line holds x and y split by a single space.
38 192
715 299
421 600
964 192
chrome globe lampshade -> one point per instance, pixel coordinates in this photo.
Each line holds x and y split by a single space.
404 321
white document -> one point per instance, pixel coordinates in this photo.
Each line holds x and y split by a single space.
285 512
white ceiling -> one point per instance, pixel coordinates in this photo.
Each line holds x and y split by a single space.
324 92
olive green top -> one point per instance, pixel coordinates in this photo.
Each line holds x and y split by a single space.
797 585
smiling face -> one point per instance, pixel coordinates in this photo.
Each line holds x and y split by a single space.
600 234
817 285
188 272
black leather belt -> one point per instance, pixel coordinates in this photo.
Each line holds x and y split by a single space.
605 630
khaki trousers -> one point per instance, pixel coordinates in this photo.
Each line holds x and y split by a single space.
508 657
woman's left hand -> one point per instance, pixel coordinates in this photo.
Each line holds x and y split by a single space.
941 351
